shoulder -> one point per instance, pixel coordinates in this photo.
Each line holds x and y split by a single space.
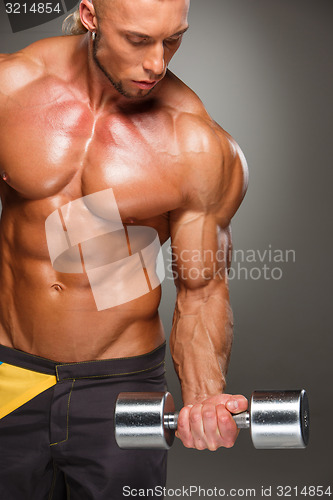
196 131
21 69
218 171
17 71
215 172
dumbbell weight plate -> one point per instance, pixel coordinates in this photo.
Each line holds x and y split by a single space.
139 420
279 419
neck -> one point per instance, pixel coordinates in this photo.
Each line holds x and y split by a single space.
99 89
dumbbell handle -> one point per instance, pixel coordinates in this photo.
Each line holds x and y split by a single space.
242 420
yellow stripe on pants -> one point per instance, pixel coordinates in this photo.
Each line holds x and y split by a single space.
19 385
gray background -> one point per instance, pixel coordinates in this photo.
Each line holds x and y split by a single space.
264 70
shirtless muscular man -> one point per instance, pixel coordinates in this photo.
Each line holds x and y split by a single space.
98 139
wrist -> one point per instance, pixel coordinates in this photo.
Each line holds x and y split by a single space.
191 397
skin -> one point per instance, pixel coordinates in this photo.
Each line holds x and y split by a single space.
69 132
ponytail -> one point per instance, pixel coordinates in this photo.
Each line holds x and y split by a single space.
72 24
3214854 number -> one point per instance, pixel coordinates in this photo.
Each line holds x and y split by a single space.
35 8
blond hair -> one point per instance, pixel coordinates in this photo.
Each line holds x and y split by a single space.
72 24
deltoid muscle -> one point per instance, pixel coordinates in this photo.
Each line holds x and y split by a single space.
87 236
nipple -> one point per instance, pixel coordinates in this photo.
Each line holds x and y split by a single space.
4 176
130 220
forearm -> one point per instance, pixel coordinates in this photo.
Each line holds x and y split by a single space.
201 340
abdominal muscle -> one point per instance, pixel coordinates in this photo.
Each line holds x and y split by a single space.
53 315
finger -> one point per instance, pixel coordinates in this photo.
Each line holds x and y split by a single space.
196 425
183 427
236 404
227 427
210 427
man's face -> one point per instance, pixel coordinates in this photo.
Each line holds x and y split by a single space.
136 40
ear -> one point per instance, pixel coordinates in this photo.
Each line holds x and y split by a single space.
88 15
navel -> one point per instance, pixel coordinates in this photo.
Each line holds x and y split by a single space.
57 287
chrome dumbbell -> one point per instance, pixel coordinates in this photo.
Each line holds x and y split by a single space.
276 419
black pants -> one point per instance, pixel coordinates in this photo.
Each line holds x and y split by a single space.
58 443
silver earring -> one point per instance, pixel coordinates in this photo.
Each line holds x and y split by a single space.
93 35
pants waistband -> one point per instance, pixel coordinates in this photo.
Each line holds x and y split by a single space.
85 369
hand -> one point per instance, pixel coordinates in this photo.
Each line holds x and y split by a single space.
209 424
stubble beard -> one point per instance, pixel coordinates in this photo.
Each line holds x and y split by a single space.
117 85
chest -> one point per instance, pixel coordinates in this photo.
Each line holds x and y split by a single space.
62 150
